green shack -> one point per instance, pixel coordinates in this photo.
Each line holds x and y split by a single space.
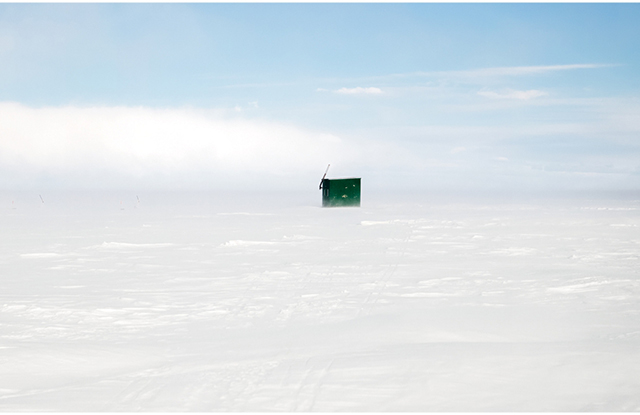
340 192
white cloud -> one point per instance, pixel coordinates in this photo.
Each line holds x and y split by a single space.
514 94
471 74
526 70
359 90
130 147
138 147
143 143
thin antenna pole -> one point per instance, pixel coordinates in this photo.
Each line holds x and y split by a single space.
325 175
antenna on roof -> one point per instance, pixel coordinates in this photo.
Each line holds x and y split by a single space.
325 175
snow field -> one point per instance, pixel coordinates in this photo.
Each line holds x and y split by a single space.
235 303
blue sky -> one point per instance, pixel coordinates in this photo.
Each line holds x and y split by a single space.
422 96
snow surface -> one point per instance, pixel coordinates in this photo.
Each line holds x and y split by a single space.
205 302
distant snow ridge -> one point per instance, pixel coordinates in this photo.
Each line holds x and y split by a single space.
424 223
244 214
578 288
239 242
41 255
389 222
119 245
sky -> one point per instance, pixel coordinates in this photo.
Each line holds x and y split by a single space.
417 97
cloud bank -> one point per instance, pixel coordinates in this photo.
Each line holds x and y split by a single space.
188 148
527 70
482 74
116 146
